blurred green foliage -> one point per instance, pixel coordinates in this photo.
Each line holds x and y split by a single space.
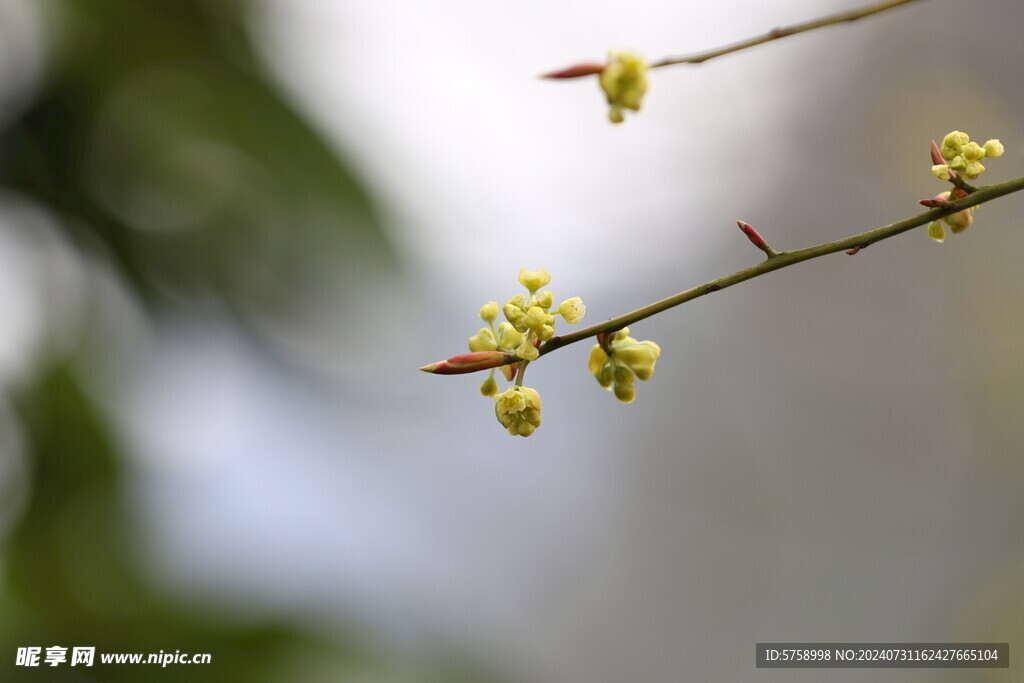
158 133
163 150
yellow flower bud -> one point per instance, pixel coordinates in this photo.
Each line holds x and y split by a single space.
596 360
941 171
936 231
514 314
536 317
489 311
545 299
483 341
534 279
993 148
973 152
508 336
973 170
518 410
624 81
630 360
545 332
958 163
625 392
489 387
527 351
953 144
572 310
638 357
960 221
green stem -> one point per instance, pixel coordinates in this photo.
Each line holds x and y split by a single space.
776 33
522 372
785 259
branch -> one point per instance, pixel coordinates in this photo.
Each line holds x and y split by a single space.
776 33
788 258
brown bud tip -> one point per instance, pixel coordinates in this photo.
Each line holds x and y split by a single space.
575 71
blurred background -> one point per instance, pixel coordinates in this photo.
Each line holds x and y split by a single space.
231 230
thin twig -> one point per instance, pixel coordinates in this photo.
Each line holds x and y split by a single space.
776 33
788 258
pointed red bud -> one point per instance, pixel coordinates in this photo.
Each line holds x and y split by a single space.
470 362
940 201
755 238
575 71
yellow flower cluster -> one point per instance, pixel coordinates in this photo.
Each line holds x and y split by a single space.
957 222
964 156
629 360
529 321
533 318
624 81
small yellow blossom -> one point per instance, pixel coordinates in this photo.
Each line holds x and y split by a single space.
941 171
953 144
508 336
572 310
545 299
973 170
638 357
957 222
534 279
489 311
624 81
973 151
527 351
514 313
489 387
993 149
518 410
536 317
960 221
630 360
483 341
